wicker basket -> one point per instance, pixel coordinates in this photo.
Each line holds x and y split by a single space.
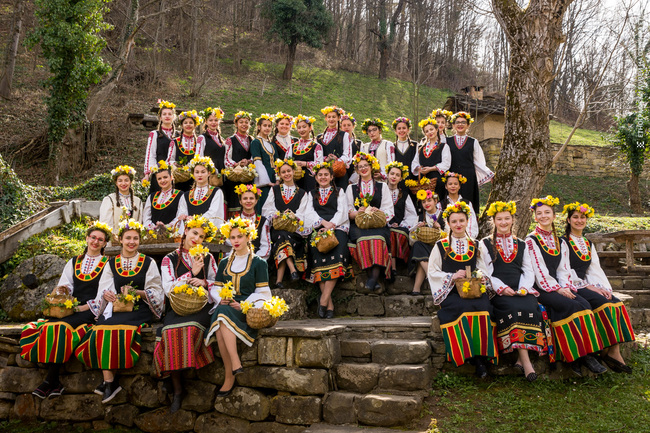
216 180
180 175
184 304
163 236
59 295
240 174
339 168
122 307
370 220
431 186
428 235
258 318
474 286
298 173
325 245
289 225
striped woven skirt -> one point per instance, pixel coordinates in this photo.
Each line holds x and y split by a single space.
519 324
179 342
54 340
467 328
612 321
574 325
369 247
399 243
288 245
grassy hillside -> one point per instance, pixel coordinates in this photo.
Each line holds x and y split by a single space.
582 137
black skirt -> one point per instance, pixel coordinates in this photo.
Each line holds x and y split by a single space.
454 306
333 264
420 252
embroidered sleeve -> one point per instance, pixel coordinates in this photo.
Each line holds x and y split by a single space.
228 157
487 267
106 211
146 214
154 293
211 275
106 283
527 278
472 227
441 282
150 156
415 165
595 274
342 218
268 209
542 277
564 270
483 173
200 146
67 276
445 163
387 202
301 213
218 283
347 150
265 241
410 215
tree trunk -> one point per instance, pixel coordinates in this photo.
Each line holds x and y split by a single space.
12 50
384 55
291 57
635 195
534 34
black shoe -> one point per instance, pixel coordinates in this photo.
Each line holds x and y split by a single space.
100 389
240 370
43 390
616 365
520 368
329 314
112 389
370 284
576 368
377 286
168 385
321 311
227 392
531 377
593 365
279 285
414 293
295 276
176 403
393 274
481 370
56 391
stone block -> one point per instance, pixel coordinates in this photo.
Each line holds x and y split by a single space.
73 365
617 283
387 410
301 381
646 283
317 352
20 380
404 305
100 425
199 396
289 409
161 421
73 407
274 427
393 352
8 396
244 403
360 378
11 359
338 408
272 351
296 300
81 383
633 284
143 392
370 305
248 355
26 406
216 422
123 414
355 348
23 363
143 366
401 286
6 409
405 377
213 372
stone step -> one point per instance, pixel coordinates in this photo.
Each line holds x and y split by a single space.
381 410
364 378
387 351
640 298
355 304
331 428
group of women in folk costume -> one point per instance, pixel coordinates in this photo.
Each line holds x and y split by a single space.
544 294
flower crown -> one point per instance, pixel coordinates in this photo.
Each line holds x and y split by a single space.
280 162
205 161
402 120
162 165
201 222
242 114
350 117
459 207
460 177
464 115
396 164
331 108
245 226
130 224
501 206
190 115
428 121
216 112
280 115
265 116
583 208
309 120
242 188
425 194
321 165
373 122
102 227
123 169
549 200
165 104
441 112
374 163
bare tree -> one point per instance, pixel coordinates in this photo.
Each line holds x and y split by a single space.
12 49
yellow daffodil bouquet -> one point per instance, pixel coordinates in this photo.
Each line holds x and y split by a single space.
266 316
240 174
126 299
187 299
287 221
160 235
198 252
59 303
472 286
227 291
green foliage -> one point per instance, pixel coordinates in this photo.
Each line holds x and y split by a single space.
298 21
582 137
68 34
17 200
96 188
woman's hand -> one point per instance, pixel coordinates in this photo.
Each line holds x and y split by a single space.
182 217
600 291
301 163
196 282
425 170
421 224
331 157
160 224
436 225
243 162
378 176
125 289
508 292
328 225
235 305
109 296
459 274
394 225
566 292
82 308
197 264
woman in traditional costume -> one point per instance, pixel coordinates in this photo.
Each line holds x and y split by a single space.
520 322
203 199
467 158
405 215
453 183
405 147
53 341
161 208
242 278
159 147
336 143
212 145
370 248
282 139
612 320
348 123
238 152
442 119
249 196
121 204
381 149
306 151
264 155
114 343
179 342
186 146
432 157
288 248
573 322
428 216
466 325
329 216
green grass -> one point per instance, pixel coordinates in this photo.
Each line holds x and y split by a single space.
612 402
18 426
582 137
